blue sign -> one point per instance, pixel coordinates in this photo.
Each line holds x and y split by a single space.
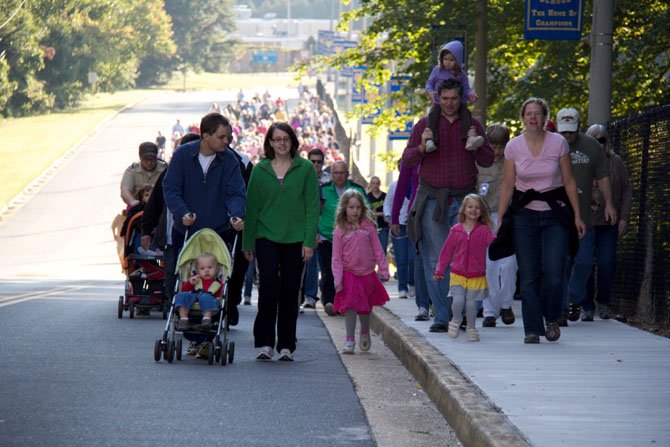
324 42
395 85
341 45
264 57
553 19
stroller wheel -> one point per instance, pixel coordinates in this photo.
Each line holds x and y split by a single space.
217 349
178 349
231 352
157 350
131 310
169 351
210 354
224 354
120 307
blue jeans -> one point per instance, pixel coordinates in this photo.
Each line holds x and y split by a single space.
434 235
249 277
311 287
404 258
422 298
187 299
541 245
383 234
606 238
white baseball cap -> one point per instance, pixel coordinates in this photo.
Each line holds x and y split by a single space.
567 120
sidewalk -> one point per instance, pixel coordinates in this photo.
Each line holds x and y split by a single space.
602 384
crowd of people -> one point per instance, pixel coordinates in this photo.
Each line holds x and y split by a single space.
472 210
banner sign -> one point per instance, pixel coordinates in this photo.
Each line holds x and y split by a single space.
395 85
553 19
324 42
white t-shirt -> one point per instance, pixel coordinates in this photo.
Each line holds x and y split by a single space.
205 161
541 173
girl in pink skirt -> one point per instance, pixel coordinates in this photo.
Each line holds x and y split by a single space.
356 253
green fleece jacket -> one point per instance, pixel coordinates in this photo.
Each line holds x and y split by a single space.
331 201
285 212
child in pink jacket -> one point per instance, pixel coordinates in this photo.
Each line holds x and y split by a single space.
465 251
356 253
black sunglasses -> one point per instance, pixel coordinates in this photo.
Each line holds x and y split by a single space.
601 140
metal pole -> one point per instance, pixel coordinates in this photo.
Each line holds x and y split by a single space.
482 51
600 95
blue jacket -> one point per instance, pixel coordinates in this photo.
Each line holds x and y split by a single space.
214 198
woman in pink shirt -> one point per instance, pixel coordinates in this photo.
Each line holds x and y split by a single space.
541 194
356 253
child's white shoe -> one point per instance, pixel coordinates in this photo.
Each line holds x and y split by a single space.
473 334
364 342
474 142
348 347
454 329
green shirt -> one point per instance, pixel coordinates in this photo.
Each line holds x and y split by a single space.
589 163
284 212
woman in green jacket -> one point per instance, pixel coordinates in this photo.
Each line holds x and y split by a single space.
282 212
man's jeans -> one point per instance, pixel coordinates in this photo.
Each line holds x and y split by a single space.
434 235
311 285
600 242
404 259
541 245
383 234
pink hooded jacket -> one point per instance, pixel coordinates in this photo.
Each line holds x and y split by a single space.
466 253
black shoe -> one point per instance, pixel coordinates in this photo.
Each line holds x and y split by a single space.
181 325
552 332
531 339
575 310
507 316
480 313
437 327
489 322
206 324
233 315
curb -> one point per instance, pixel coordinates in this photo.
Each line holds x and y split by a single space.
474 417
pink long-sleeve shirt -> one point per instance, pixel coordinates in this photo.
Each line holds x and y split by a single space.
358 252
465 252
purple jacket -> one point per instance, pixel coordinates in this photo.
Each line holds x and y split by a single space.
438 75
406 174
466 253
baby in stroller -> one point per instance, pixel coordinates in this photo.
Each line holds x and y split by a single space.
204 287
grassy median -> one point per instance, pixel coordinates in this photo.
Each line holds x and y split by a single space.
32 144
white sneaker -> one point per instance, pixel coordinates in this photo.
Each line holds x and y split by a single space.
402 294
310 303
266 353
247 301
348 347
285 355
474 142
364 342
430 146
411 292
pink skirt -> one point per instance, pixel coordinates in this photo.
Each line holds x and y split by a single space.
360 293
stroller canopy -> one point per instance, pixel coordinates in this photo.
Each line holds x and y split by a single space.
205 241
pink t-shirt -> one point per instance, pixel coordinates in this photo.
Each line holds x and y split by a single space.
541 173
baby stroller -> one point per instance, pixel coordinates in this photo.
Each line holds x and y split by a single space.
144 285
214 341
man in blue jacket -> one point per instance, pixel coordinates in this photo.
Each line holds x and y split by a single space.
203 186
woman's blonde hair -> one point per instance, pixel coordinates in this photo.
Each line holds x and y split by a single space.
341 216
485 218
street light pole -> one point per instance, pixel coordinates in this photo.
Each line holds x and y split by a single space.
600 88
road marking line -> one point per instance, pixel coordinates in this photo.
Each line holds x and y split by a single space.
20 298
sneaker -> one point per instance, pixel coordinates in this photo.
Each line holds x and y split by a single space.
605 313
285 355
411 292
192 348
552 332
310 303
531 339
489 322
364 341
507 316
437 327
422 315
203 351
182 325
266 353
348 347
247 301
575 310
473 334
474 142
430 146
563 321
453 330
328 308
402 294
587 315
206 324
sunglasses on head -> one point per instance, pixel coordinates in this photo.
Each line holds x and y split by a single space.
601 140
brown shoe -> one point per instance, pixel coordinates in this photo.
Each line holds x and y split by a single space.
507 316
489 322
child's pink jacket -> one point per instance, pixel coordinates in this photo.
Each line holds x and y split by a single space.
466 253
358 252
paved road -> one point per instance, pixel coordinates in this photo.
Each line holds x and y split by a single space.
72 374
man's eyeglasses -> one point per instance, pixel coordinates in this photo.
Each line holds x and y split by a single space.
316 162
601 140
339 173
281 140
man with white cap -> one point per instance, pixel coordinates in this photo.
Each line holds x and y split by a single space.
589 164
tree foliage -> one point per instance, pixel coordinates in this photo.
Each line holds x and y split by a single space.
398 41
